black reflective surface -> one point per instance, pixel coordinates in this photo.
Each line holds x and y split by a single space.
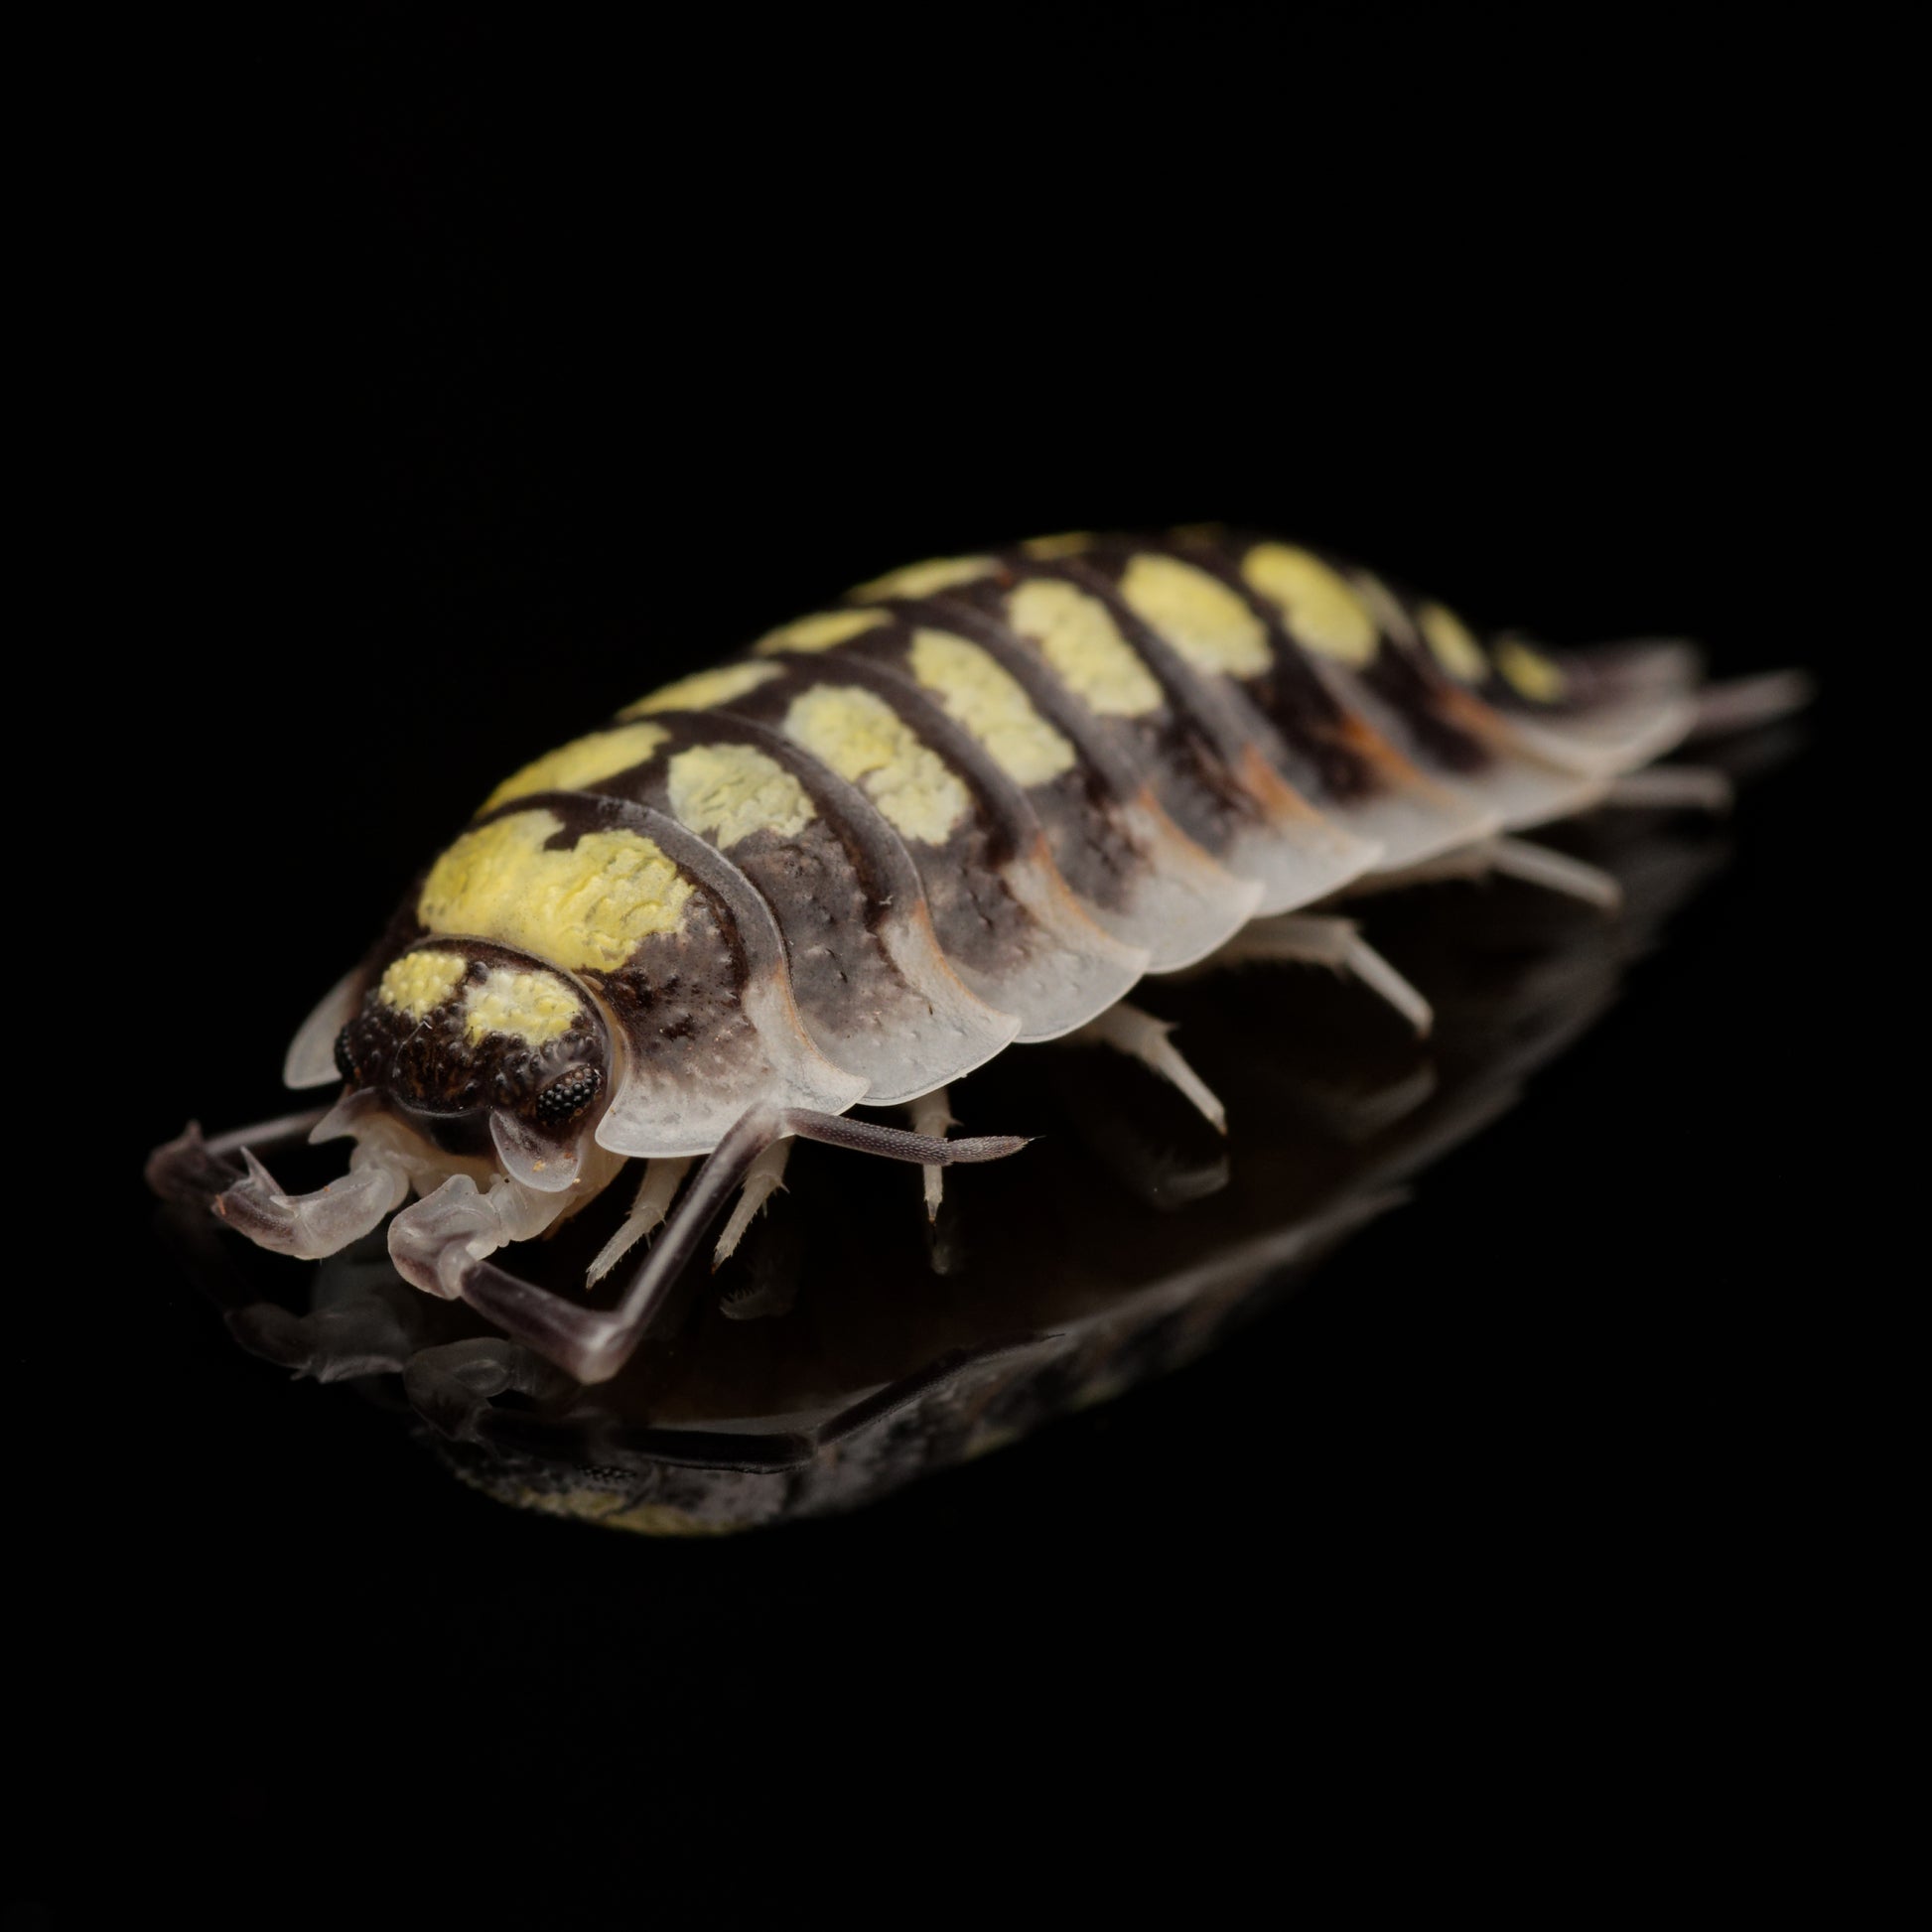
431 396
851 1346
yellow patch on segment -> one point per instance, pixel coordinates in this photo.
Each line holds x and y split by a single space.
1205 620
1068 543
585 905
702 689
583 762
726 792
419 982
1323 609
535 1008
866 742
821 631
1532 675
922 580
1454 649
980 694
1078 636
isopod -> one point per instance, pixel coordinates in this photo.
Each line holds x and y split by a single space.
967 807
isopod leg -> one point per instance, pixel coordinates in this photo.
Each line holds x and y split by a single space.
1555 872
764 1177
1745 703
593 1344
656 1192
931 1116
1338 945
1140 1035
196 1172
1672 787
1533 865
308 1226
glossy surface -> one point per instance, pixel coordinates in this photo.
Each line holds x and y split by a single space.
850 1347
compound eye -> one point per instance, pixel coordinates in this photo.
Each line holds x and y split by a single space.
568 1095
344 1065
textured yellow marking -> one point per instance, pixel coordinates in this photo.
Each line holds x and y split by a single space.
1069 543
535 1008
865 741
1079 637
981 695
583 762
419 982
1205 620
1322 609
922 579
726 792
702 689
587 905
1532 675
1456 650
819 632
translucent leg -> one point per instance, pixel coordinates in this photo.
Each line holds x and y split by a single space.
656 1192
593 1344
762 1179
461 1223
1314 940
1742 704
1672 787
193 1170
308 1226
1556 872
1535 865
1141 1035
931 1116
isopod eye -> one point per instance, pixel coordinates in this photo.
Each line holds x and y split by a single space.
344 1065
568 1095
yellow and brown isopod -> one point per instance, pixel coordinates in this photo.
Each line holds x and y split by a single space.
968 807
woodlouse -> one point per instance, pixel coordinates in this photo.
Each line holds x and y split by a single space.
967 807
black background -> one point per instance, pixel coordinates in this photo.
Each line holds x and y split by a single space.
460 389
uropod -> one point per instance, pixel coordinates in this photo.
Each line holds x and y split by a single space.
966 808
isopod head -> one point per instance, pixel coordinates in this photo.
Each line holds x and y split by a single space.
475 1046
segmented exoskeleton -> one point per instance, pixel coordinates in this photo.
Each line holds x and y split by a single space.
967 807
